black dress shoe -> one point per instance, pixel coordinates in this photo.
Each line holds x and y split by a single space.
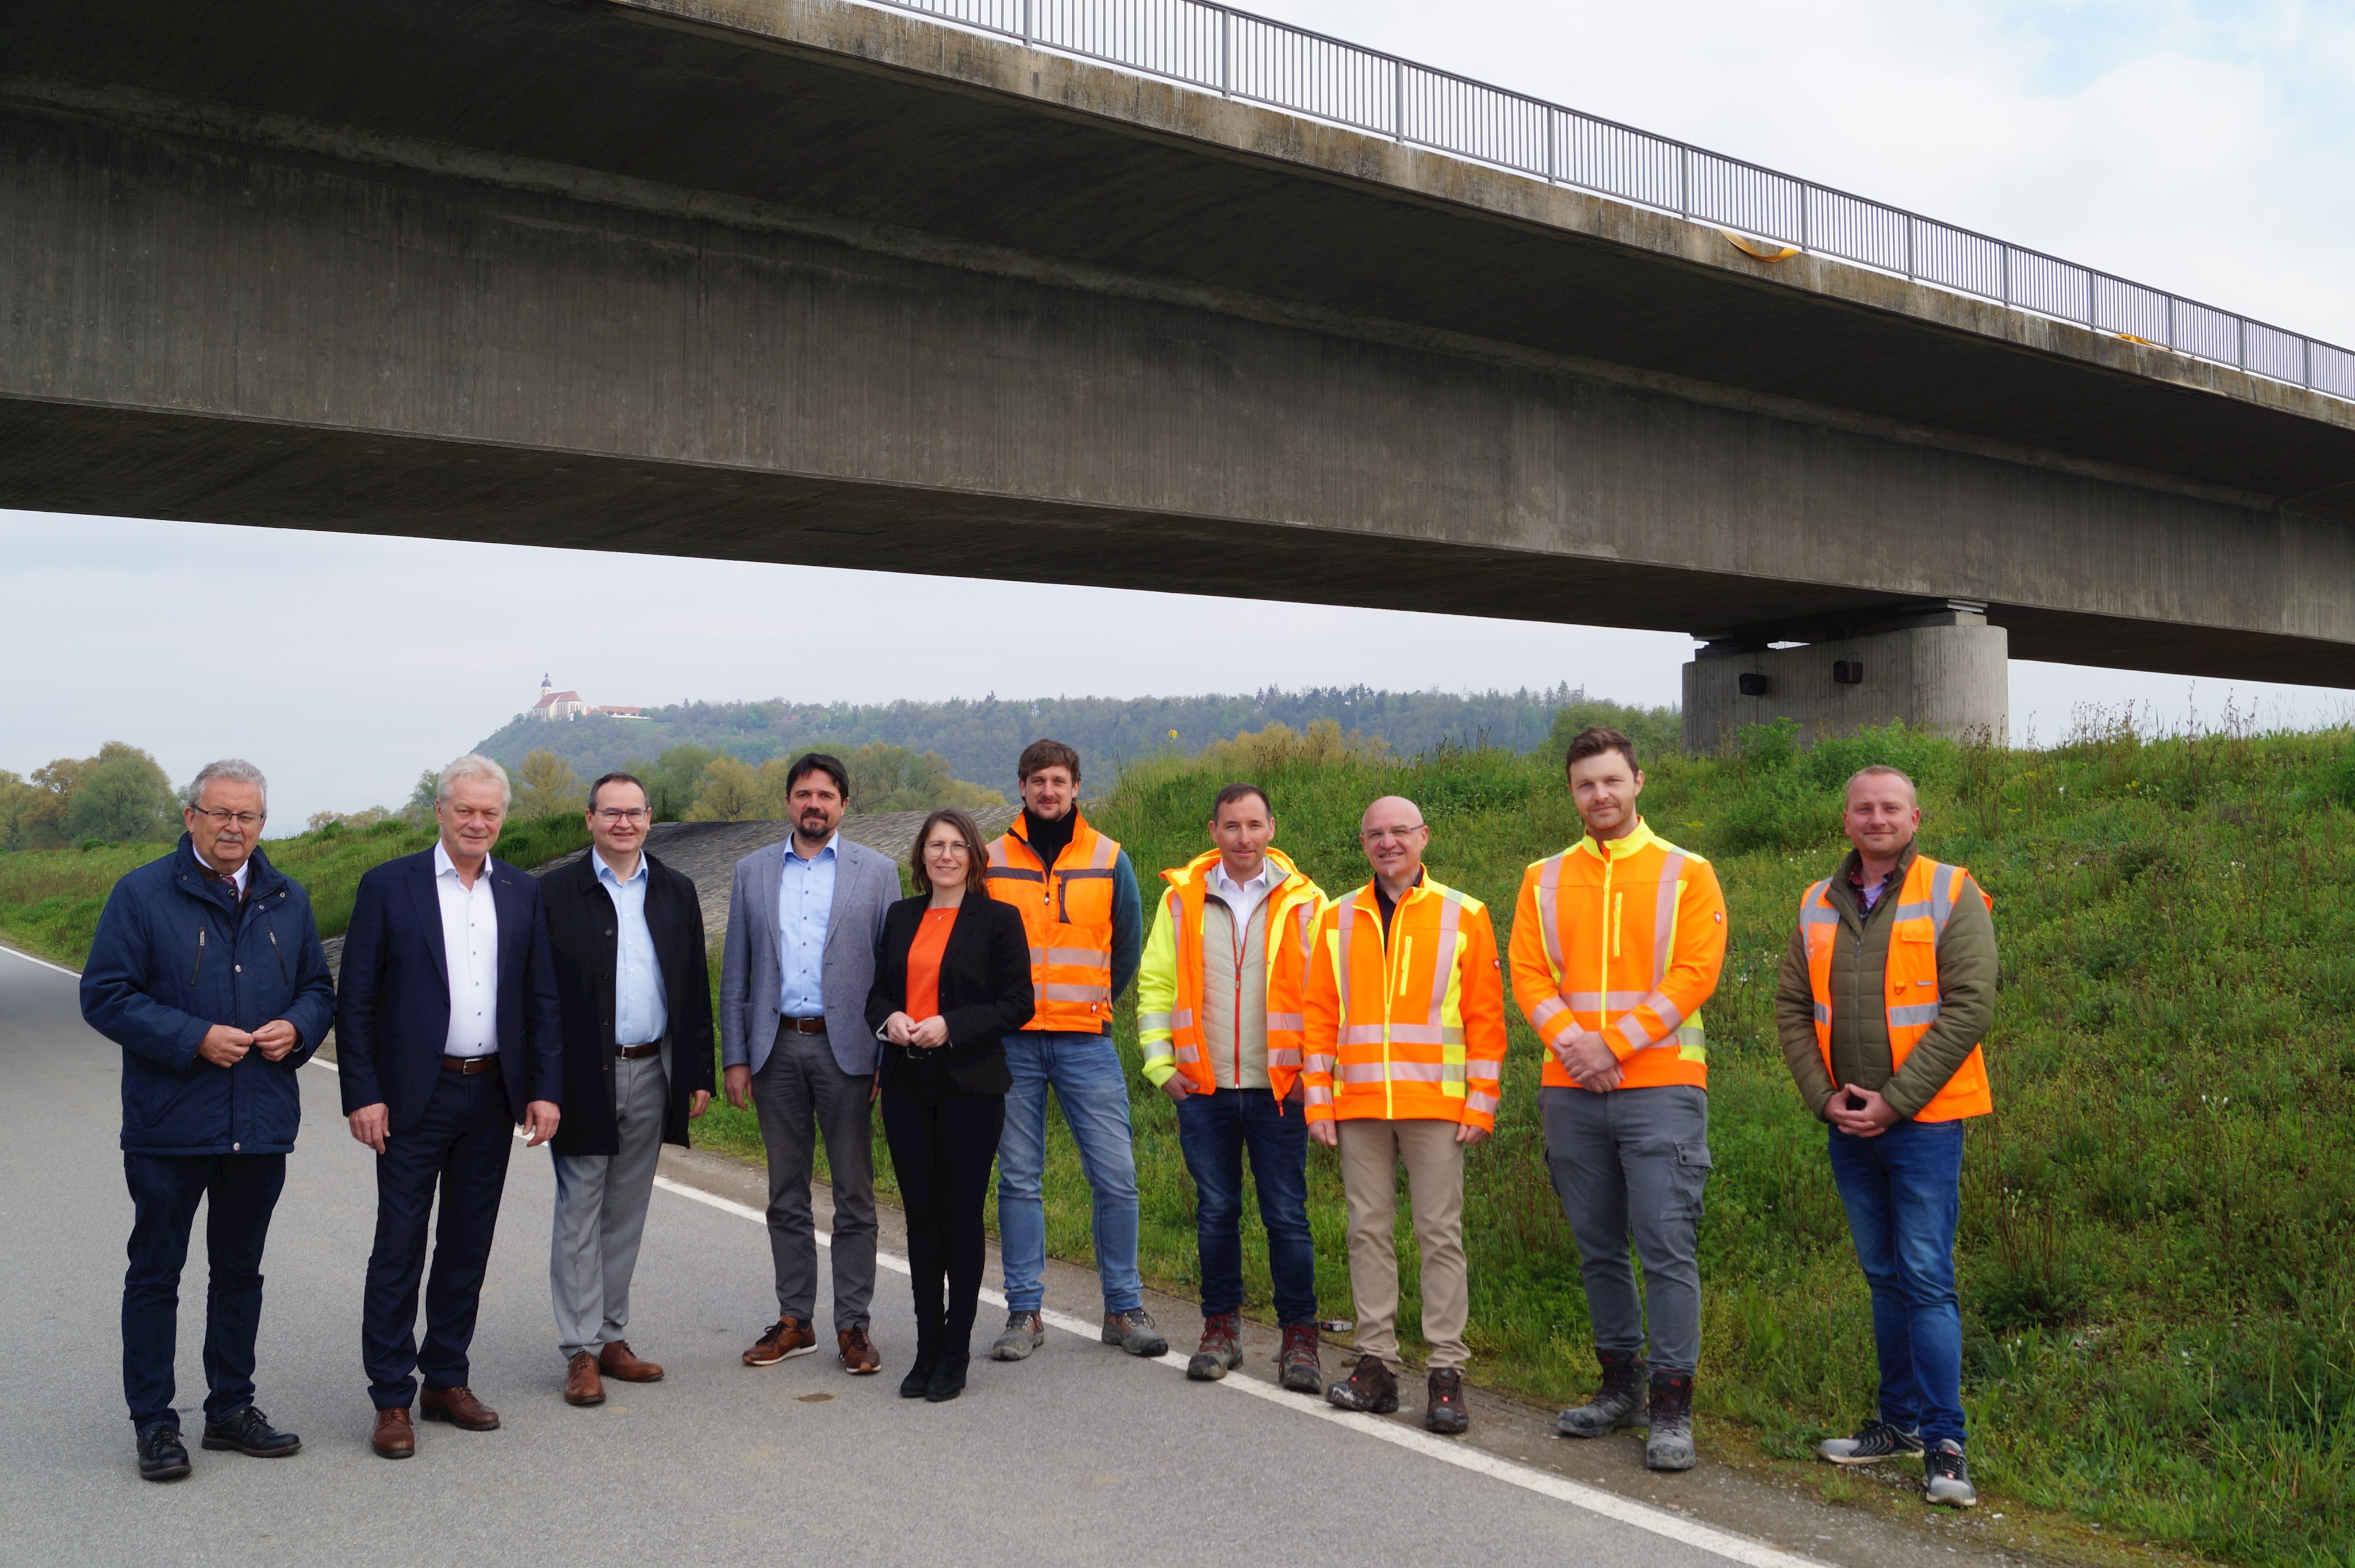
947 1381
162 1456
248 1431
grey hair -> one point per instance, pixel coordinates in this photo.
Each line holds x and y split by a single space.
474 765
235 770
1882 770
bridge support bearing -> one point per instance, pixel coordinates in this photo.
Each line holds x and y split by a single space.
1943 671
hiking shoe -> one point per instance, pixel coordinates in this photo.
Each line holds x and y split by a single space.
1300 1369
1133 1331
785 1337
1669 1445
162 1456
1874 1441
1612 1406
1946 1476
249 1432
1025 1332
1217 1354
1370 1388
1443 1410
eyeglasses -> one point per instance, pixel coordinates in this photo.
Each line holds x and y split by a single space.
1398 835
242 818
613 817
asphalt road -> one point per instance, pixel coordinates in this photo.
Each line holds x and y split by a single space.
1080 1454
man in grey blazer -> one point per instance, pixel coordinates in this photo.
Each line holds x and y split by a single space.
794 1041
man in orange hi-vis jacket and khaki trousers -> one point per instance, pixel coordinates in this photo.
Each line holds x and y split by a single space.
1617 942
1402 1012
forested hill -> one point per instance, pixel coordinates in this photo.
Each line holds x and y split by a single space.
981 739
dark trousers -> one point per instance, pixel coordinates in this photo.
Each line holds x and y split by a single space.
1904 1194
458 1145
1213 1131
941 1154
241 1190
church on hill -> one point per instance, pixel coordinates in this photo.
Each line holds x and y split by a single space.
554 705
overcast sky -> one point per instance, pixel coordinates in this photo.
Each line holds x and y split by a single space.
2204 148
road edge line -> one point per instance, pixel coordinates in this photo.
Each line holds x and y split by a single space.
19 953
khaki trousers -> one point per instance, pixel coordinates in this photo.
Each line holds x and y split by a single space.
1372 1152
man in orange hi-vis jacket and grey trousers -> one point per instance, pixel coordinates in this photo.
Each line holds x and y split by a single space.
1617 942
1402 1013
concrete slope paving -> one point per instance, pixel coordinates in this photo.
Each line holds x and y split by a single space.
1080 1454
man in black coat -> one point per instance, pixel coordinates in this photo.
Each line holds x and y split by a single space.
206 970
635 979
446 1035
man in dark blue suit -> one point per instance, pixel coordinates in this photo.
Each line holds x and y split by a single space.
447 1036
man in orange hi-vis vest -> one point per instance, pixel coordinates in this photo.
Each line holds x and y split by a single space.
1617 942
1887 988
1402 1013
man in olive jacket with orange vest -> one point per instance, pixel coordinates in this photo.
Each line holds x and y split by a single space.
1886 989
1616 942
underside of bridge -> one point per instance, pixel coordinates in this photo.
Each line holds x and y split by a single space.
784 280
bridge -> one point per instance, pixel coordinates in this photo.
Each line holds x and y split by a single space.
833 284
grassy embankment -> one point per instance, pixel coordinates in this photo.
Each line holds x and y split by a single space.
2160 1320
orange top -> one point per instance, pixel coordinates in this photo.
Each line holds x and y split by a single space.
924 963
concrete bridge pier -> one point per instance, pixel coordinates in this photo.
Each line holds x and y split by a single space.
1938 667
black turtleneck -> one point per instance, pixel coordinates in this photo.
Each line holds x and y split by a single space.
1049 839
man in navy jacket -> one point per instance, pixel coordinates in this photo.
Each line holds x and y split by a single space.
206 971
446 1035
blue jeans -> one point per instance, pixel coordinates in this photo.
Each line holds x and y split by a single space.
1213 1130
1902 1191
1085 1073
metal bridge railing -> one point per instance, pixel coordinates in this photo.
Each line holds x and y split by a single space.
1238 55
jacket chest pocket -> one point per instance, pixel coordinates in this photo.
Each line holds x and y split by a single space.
1083 897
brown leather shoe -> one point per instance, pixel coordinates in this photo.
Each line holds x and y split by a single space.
580 1383
621 1363
459 1407
785 1337
858 1352
394 1437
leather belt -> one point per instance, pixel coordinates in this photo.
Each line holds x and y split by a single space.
470 1065
802 1026
638 1052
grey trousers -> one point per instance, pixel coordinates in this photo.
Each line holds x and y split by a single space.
601 1213
1630 1164
801 1086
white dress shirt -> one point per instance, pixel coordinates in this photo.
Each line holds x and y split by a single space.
237 876
1242 898
469 945
640 1009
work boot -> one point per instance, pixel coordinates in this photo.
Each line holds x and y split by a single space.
1217 1354
249 1432
1301 1373
1025 1332
1370 1388
1946 1477
1615 1404
582 1384
162 1456
1670 1445
621 1363
1133 1331
1874 1441
1443 1410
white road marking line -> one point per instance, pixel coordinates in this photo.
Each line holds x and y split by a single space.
1593 1500
44 962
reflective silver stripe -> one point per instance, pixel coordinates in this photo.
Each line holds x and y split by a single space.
1919 1013
1670 1014
1476 1101
1813 910
1918 909
1188 1053
1147 1022
1316 1096
1317 1062
1941 896
1306 911
1075 993
1425 1034
1347 923
1294 1021
1086 958
1402 1072
1361 1073
1443 960
1823 1013
1633 1033
1547 1011
1476 1068
1182 1018
1360 1034
1284 1059
1664 919
997 852
1549 900
1604 1001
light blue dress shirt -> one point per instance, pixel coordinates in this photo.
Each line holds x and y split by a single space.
640 1013
804 901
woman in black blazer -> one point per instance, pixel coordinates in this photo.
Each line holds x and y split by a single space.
952 977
